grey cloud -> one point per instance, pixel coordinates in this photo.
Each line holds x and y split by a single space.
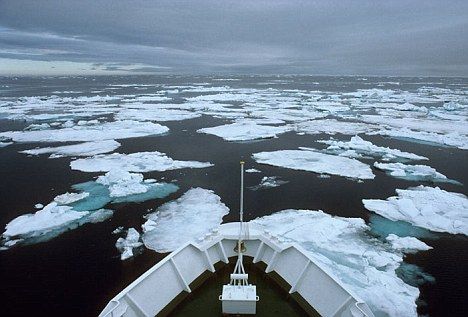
318 37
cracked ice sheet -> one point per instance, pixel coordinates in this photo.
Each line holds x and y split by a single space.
426 207
313 161
413 172
245 130
177 222
81 149
364 264
102 131
134 162
361 146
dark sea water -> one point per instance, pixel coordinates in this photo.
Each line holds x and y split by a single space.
77 273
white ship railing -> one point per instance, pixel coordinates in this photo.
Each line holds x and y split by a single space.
156 288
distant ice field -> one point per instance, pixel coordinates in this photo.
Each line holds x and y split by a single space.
368 175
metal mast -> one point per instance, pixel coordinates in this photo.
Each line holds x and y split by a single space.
239 297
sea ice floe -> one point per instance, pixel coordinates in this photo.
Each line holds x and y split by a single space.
119 186
269 182
49 222
252 170
413 172
427 207
190 217
245 130
122 183
3 144
407 244
134 162
71 210
102 131
332 126
127 244
68 198
419 124
361 146
313 161
156 114
366 265
81 149
431 138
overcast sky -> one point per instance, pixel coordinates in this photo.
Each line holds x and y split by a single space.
333 37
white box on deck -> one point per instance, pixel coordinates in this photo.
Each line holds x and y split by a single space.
237 299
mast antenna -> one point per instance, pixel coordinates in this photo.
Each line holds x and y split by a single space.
239 297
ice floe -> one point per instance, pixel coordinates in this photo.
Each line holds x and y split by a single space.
313 161
71 210
245 130
427 207
134 162
332 126
366 265
252 170
103 131
119 186
407 244
190 217
268 182
127 244
68 198
81 149
431 138
413 172
122 183
156 114
357 145
49 222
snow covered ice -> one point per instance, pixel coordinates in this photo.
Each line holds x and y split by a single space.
366 266
407 244
268 182
49 222
190 217
313 161
245 130
134 162
81 149
127 244
413 172
427 207
118 186
98 132
357 145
